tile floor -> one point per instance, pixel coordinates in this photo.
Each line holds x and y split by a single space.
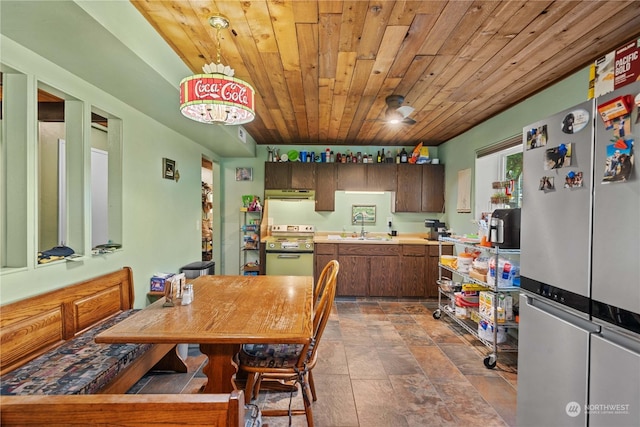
387 363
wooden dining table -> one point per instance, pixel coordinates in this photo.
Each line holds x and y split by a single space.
226 311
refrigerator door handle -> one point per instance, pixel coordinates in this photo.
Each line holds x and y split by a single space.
565 316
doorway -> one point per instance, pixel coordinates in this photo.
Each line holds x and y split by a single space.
207 210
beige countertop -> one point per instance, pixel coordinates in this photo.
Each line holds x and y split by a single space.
376 239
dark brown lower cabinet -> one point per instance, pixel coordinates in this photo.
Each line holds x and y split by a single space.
379 270
353 278
323 253
413 271
432 267
383 276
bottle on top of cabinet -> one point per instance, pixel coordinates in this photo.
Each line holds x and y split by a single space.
403 156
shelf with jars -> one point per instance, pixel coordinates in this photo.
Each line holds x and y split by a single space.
250 242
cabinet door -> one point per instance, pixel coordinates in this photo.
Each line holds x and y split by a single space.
303 176
325 186
353 279
413 272
381 177
323 253
277 176
352 176
433 188
383 276
409 188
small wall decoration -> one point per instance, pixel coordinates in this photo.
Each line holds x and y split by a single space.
363 213
168 169
244 174
463 204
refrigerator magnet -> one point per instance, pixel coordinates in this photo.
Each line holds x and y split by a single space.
573 179
618 163
615 108
575 121
547 184
558 157
537 137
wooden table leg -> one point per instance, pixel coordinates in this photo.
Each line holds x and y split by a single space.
219 369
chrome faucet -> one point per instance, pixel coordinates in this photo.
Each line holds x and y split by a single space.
355 219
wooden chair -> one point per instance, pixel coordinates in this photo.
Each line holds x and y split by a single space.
291 363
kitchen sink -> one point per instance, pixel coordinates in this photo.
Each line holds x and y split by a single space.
355 239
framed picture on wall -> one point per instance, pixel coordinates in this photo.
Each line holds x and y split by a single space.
244 174
168 168
363 214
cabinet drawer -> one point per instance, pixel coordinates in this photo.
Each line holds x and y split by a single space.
325 249
446 250
413 250
368 249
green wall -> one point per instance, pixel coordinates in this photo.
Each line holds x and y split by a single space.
459 153
161 218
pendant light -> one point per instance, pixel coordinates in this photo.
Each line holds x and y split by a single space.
216 97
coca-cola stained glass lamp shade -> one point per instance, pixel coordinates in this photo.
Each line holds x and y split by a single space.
216 96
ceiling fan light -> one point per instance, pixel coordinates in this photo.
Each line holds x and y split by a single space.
393 116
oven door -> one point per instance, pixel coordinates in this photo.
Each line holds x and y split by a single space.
289 264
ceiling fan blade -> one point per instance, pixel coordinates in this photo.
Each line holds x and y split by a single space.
405 110
408 121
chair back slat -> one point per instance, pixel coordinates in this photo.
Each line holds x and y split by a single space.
324 301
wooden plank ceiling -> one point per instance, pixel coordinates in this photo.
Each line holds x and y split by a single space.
322 69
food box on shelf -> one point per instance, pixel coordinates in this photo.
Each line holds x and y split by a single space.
504 303
478 276
159 280
449 261
486 329
473 287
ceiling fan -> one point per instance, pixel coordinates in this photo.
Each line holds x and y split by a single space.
396 112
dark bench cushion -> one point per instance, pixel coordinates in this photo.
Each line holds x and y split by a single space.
79 366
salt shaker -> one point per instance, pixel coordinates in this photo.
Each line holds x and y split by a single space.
187 295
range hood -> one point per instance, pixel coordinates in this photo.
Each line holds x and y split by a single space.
289 194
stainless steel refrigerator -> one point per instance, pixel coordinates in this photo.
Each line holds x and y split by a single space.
579 335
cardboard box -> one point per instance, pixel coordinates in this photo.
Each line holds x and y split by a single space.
504 303
159 280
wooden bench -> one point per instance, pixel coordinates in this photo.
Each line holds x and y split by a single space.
53 321
124 410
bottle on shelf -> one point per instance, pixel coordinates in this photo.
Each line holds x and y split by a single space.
403 156
398 156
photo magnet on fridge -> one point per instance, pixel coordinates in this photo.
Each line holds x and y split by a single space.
575 121
536 137
619 162
547 184
573 179
558 157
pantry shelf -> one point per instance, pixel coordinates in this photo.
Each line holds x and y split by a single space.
484 308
